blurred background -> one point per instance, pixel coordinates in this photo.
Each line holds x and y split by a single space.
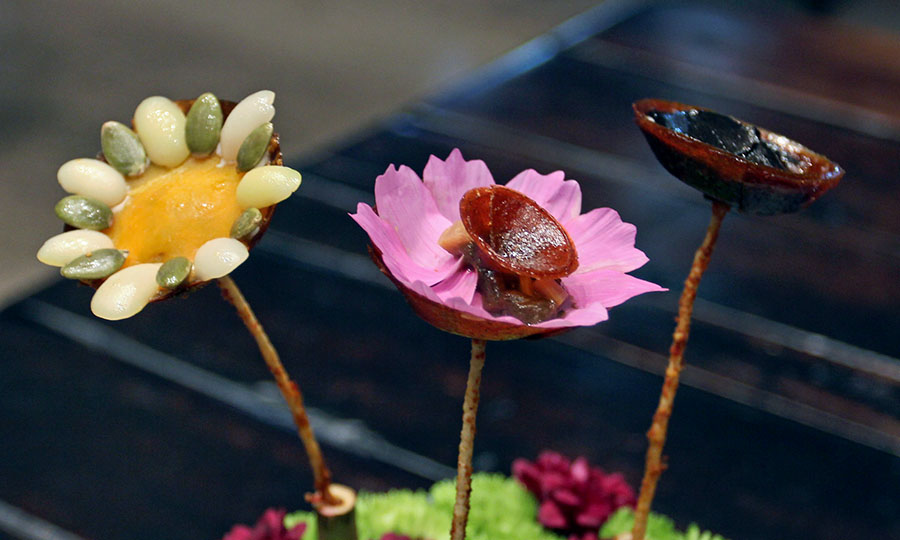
67 66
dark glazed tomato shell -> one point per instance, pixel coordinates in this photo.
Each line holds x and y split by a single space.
730 178
515 235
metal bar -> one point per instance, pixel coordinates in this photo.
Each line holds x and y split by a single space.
349 435
24 526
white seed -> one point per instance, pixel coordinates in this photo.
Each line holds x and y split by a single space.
126 292
265 186
160 126
218 258
93 178
250 113
64 248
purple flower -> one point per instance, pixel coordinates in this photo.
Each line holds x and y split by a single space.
269 527
412 214
575 499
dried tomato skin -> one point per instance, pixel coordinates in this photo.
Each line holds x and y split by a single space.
515 235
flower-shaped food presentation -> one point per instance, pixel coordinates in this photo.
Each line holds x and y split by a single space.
499 262
172 204
740 164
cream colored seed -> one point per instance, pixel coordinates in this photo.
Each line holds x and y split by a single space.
252 111
265 186
126 292
64 248
160 125
218 258
93 178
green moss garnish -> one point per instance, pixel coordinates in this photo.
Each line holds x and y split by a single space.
501 509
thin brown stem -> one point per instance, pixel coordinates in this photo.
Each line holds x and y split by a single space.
289 389
656 435
467 442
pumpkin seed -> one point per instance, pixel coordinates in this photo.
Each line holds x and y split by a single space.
252 111
63 248
265 186
173 273
93 178
254 147
204 124
123 149
84 212
126 292
247 224
159 123
218 258
95 265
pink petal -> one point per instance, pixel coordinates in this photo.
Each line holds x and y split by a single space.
587 315
460 284
594 515
551 481
404 202
553 461
602 240
296 533
566 497
551 516
449 180
581 471
527 473
394 255
560 197
606 287
239 532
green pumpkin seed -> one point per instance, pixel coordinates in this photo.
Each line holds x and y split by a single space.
247 224
204 124
123 149
84 212
173 273
254 146
96 265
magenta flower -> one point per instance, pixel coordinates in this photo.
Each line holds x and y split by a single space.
575 499
413 213
269 527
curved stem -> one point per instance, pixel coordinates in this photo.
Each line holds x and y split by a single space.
467 442
289 389
656 435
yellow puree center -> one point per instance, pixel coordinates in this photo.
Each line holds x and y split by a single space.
171 213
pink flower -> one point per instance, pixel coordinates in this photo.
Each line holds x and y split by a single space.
269 527
412 213
575 499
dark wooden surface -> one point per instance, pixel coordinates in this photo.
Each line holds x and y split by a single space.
788 423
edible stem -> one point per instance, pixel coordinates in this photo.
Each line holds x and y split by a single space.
289 389
656 435
467 442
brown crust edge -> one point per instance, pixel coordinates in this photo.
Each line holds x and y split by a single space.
723 176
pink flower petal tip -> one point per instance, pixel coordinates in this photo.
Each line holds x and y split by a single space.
442 285
269 527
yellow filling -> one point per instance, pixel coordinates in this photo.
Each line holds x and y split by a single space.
171 213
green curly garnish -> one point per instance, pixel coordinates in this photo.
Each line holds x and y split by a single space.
501 509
